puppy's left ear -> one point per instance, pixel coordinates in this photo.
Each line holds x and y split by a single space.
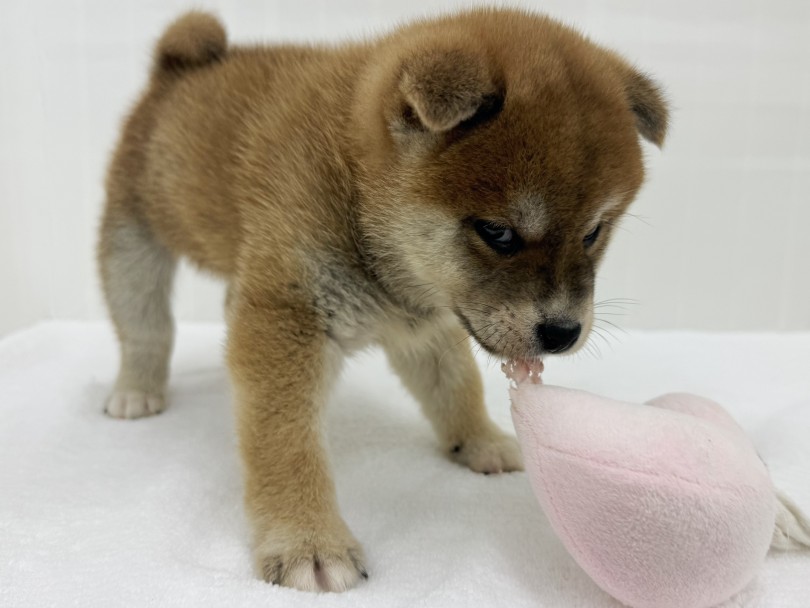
649 105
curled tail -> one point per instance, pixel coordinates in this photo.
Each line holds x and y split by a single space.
194 40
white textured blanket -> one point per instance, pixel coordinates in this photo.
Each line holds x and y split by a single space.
107 513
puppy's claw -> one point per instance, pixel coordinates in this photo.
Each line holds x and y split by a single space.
314 569
271 570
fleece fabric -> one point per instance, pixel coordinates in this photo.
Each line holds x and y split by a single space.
96 512
665 505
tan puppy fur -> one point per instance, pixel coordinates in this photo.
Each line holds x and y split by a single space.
450 176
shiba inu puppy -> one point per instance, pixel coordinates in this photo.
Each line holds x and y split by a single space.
458 177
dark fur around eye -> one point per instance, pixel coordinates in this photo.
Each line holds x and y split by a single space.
591 237
502 239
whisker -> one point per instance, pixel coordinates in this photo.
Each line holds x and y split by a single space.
449 348
617 301
595 348
602 336
592 351
641 218
621 329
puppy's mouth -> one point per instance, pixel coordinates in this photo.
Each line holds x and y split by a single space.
471 330
468 326
507 343
497 343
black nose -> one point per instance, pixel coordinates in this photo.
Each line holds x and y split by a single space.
558 337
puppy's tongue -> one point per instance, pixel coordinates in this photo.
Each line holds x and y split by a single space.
524 370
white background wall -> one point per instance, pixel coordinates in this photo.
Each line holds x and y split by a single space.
722 240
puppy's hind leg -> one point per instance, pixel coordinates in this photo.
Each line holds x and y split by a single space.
137 274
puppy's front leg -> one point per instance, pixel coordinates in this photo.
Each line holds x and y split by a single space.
282 365
437 366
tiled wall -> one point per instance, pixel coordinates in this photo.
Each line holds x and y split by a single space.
720 240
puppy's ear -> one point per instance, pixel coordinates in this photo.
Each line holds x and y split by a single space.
444 87
648 104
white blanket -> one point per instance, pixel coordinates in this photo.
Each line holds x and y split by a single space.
107 513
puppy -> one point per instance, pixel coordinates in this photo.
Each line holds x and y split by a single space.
459 176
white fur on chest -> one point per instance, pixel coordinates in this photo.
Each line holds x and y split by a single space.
357 313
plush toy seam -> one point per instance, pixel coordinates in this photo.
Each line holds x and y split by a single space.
557 517
667 476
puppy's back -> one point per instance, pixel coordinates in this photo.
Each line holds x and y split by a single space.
222 133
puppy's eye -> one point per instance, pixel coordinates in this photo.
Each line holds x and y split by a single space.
591 237
501 238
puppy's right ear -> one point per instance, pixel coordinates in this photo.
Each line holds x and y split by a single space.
650 107
442 88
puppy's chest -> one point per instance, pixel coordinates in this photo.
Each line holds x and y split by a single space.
355 311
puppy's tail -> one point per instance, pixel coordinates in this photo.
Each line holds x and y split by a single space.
193 40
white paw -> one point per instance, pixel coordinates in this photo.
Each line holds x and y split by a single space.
492 452
134 404
315 565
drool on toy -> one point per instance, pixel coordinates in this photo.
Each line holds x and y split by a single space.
665 505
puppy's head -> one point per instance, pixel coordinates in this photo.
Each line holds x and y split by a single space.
499 150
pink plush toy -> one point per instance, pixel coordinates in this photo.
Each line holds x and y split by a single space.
664 506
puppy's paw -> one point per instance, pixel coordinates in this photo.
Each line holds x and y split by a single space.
490 452
319 562
134 404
